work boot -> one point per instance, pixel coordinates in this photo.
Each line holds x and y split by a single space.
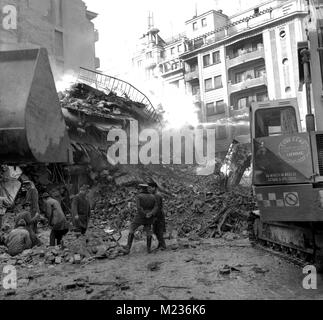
129 244
161 242
149 240
162 245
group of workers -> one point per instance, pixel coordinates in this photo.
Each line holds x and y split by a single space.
24 235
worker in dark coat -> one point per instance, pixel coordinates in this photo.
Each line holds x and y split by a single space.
26 216
146 206
81 210
159 225
32 198
56 220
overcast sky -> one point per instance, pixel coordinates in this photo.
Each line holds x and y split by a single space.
122 22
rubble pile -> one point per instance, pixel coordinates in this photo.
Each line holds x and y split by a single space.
96 245
193 205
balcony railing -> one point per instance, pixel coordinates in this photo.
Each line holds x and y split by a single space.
189 76
171 66
247 84
245 57
123 89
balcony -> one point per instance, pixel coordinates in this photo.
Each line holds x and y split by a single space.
247 84
245 57
192 75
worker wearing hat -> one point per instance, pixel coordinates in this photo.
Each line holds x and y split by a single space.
146 206
32 198
56 220
159 225
81 210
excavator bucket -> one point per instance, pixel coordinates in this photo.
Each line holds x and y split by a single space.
32 127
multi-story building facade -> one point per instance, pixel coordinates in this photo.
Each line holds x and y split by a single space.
64 27
230 62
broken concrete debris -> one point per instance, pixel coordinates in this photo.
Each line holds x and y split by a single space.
223 214
195 206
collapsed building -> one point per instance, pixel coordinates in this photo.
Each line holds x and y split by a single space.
60 141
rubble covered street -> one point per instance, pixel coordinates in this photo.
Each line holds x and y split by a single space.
209 255
207 269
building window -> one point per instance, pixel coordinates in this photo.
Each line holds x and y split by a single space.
256 11
220 106
242 103
195 90
206 60
139 63
59 44
217 108
194 26
208 84
193 67
216 57
204 23
172 51
149 55
238 77
218 82
210 110
180 48
260 71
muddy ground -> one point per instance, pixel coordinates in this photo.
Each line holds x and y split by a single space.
185 271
